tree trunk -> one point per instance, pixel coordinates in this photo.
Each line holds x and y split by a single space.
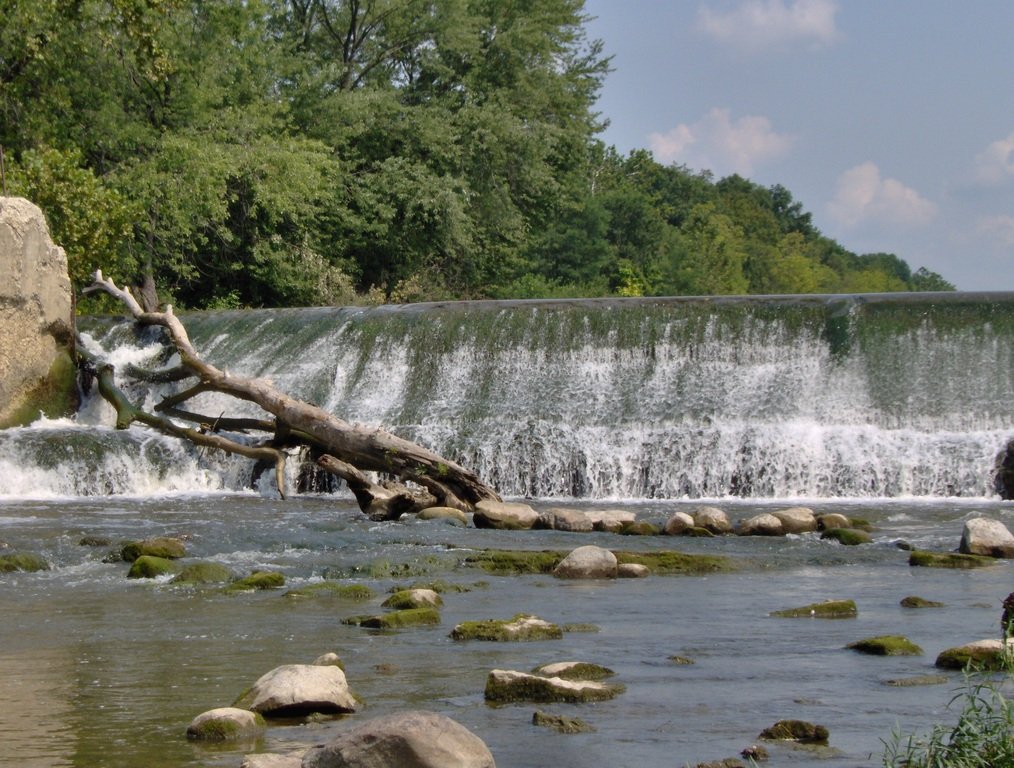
296 422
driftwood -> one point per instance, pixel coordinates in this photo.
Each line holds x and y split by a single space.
347 449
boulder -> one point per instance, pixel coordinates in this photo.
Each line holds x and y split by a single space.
588 562
797 519
150 567
796 730
504 515
712 519
226 724
413 598
571 520
981 654
37 371
611 520
505 685
983 536
761 525
447 514
167 547
299 689
832 520
678 523
414 739
632 571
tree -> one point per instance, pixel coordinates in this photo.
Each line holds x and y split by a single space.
712 255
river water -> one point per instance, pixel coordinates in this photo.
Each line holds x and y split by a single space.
100 670
888 409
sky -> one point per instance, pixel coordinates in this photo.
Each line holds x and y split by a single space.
890 121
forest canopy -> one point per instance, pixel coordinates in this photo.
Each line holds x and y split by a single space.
273 153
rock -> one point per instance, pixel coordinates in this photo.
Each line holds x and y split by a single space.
571 520
677 524
632 571
413 598
407 617
886 645
588 562
983 536
414 739
671 563
294 690
29 562
561 723
761 525
729 762
504 685
226 724
913 601
333 589
797 519
611 520
917 680
266 760
831 520
755 752
829 609
447 514
849 537
1003 479
149 567
37 372
521 628
258 580
925 559
681 661
639 528
574 670
329 659
796 730
712 519
504 515
981 654
161 546
203 573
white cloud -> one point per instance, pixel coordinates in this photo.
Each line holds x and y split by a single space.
1000 228
760 24
995 165
721 145
862 195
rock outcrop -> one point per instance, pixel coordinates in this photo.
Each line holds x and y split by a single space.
37 371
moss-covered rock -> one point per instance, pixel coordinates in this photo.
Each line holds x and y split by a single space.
574 670
926 559
504 686
501 562
914 601
849 537
561 723
161 546
672 563
203 573
413 598
796 730
226 724
94 541
29 562
257 580
334 589
916 680
581 626
521 628
639 528
409 617
682 661
886 645
440 586
829 609
980 655
150 567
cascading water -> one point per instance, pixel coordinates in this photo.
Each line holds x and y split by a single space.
768 397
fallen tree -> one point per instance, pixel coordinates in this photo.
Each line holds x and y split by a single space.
347 450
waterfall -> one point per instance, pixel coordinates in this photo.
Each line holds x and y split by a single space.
767 397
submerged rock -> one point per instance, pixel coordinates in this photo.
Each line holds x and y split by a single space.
29 562
829 609
203 573
886 645
914 601
796 730
504 685
406 617
335 589
922 558
561 723
413 598
415 739
151 567
632 571
574 670
446 514
849 537
588 562
258 580
161 546
521 628
226 724
983 536
294 690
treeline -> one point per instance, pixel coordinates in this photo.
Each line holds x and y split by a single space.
272 153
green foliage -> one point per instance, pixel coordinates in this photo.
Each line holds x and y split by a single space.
268 153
